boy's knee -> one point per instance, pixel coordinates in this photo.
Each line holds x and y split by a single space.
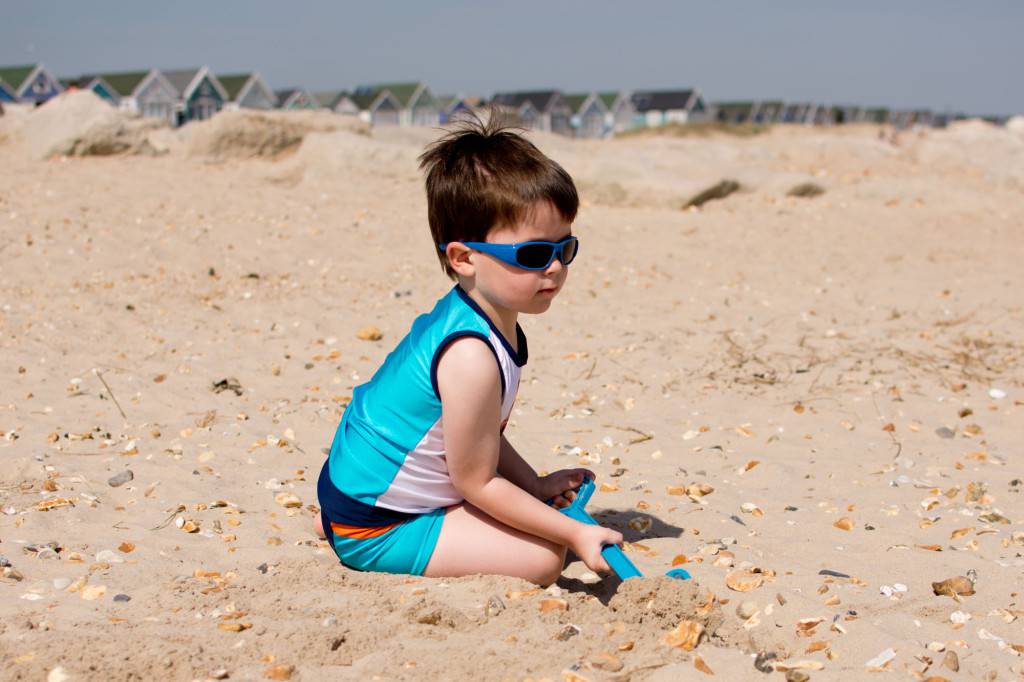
549 567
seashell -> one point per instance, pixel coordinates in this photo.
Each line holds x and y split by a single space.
679 559
725 559
746 609
744 580
93 592
54 503
190 526
686 636
844 523
288 500
518 594
369 333
234 627
798 665
954 587
881 660
126 547
553 605
609 488
818 645
700 665
951 661
279 672
752 509
675 489
699 489
640 523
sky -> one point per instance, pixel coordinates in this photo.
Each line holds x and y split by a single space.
943 55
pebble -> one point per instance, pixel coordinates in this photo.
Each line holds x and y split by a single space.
996 393
944 432
959 617
61 583
567 633
834 574
4 562
57 675
122 597
109 556
118 480
329 621
494 606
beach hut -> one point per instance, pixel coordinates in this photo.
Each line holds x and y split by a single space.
768 111
296 98
97 84
735 113
544 110
660 107
848 113
589 115
823 115
458 107
247 91
379 108
200 94
338 101
621 112
417 104
147 93
879 115
798 112
6 92
31 83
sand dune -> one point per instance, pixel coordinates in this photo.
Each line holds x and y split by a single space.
844 372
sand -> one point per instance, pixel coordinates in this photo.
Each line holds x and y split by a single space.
842 371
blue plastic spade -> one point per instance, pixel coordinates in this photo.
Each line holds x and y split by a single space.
613 554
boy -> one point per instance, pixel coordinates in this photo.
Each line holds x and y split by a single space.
420 477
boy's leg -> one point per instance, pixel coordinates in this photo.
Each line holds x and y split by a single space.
472 542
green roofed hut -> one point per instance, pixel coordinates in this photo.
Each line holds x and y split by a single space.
621 112
30 83
417 104
337 101
296 98
146 93
96 84
379 108
589 114
544 110
200 94
247 91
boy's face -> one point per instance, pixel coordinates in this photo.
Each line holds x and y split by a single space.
515 289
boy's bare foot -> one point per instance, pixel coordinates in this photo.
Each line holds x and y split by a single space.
318 526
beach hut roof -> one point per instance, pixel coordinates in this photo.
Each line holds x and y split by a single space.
329 98
541 100
183 80
15 76
123 83
661 100
402 92
233 84
609 98
576 100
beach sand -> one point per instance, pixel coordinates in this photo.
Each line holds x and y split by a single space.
817 400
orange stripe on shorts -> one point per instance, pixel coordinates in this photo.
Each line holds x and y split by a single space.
360 532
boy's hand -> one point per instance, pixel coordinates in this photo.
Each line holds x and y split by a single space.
560 485
588 541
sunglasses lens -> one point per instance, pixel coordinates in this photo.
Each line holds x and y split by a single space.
534 256
569 251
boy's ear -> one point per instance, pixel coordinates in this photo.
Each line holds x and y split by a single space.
460 258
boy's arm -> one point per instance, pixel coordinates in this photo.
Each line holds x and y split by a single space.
470 392
512 466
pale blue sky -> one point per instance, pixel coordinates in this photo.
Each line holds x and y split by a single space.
940 54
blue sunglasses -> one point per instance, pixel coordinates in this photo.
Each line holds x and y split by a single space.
528 255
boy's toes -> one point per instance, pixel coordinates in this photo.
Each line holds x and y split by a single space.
318 526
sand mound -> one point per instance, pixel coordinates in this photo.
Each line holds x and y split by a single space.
81 124
266 134
1016 125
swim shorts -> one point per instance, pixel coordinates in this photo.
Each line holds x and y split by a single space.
402 547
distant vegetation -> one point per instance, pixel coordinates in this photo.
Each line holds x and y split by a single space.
701 129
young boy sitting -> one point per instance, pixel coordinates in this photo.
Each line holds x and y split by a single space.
420 477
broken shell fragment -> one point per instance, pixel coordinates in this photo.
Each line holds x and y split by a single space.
954 587
744 580
844 523
369 333
288 500
686 636
553 605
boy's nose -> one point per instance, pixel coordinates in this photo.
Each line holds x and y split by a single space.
555 266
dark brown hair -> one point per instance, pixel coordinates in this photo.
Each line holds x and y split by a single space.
484 175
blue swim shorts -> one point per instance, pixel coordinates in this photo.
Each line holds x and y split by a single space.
402 547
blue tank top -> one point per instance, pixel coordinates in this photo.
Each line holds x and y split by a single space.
387 461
